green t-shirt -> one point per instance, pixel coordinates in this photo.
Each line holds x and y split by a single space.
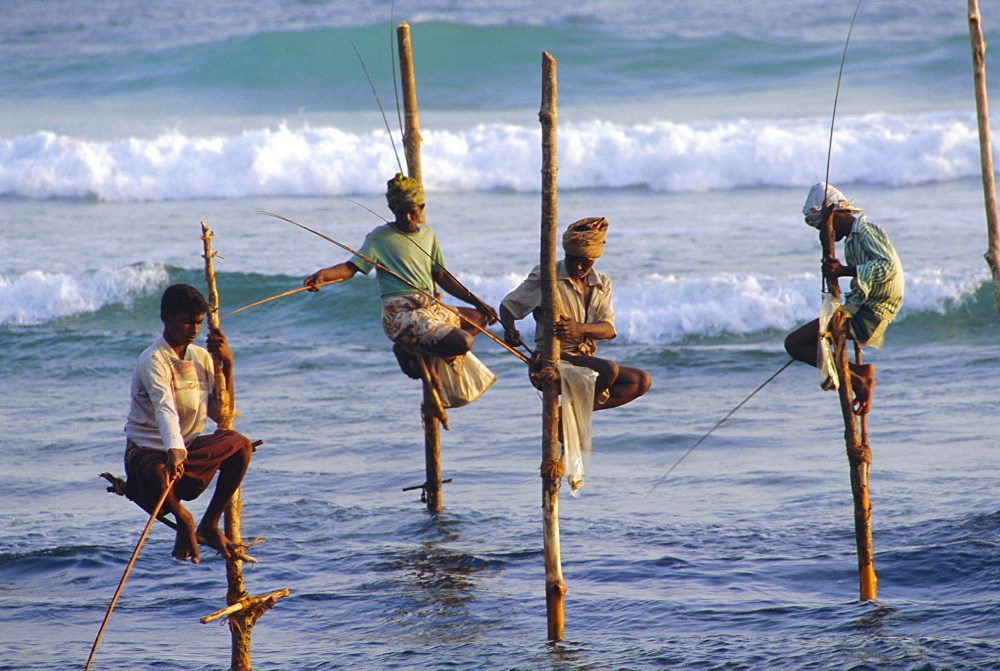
412 256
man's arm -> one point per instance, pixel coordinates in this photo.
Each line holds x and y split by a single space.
453 287
218 347
570 329
338 273
157 382
511 335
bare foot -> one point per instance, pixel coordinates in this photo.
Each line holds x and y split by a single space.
186 545
215 539
863 384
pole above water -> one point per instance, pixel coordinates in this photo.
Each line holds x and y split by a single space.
550 308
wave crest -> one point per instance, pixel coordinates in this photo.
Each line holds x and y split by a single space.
662 155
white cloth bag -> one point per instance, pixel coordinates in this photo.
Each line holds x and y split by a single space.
577 411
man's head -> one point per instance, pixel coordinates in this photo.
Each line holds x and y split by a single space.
403 194
585 238
813 209
182 311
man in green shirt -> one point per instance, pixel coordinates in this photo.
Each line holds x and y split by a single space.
409 248
877 283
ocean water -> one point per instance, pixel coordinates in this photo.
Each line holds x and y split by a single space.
696 129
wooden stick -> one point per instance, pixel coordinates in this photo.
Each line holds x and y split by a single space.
550 308
431 390
411 134
241 623
249 602
858 452
266 300
992 254
431 412
128 569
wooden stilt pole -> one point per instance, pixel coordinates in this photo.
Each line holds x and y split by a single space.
411 146
411 134
858 451
241 621
551 468
985 152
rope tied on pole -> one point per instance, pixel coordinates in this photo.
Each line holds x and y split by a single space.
552 469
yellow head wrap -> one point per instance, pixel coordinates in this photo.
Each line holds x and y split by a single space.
585 238
403 193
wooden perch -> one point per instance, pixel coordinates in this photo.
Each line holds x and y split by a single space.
264 603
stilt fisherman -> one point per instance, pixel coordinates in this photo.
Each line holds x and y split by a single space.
585 295
876 285
409 248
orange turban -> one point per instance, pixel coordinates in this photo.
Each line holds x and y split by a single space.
585 238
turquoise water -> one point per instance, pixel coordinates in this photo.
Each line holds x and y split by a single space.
696 130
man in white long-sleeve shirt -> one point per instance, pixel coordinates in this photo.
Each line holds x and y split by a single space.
172 396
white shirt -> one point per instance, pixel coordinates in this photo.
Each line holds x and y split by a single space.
170 397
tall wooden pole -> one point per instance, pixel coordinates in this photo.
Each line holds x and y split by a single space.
550 308
411 145
985 152
411 133
241 623
858 451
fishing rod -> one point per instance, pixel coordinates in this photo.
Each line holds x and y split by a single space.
128 569
826 186
266 300
407 282
836 98
394 60
662 478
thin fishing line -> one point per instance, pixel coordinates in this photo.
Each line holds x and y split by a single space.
691 449
395 62
836 97
380 109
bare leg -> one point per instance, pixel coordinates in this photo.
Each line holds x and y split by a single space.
863 384
455 343
407 361
630 384
801 343
476 317
154 480
231 474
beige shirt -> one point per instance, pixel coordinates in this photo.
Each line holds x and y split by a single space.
572 295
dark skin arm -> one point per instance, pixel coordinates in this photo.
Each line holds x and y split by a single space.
338 273
453 287
566 328
511 335
833 268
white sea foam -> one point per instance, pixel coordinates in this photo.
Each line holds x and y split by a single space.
37 297
661 309
649 310
895 150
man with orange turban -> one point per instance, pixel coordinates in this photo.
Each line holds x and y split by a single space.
587 314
